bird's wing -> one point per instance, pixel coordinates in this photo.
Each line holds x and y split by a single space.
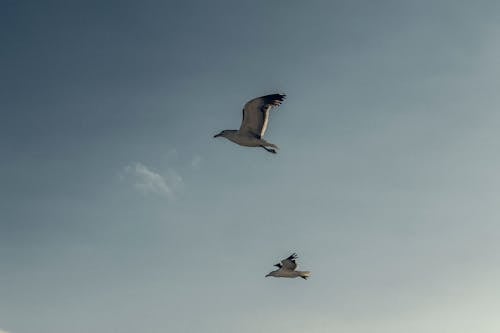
256 114
289 263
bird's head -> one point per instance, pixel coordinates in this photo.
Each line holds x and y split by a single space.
226 133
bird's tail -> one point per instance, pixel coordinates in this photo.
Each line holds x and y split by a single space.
305 274
268 144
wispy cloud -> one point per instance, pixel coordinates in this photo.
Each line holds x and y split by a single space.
3 331
196 161
147 181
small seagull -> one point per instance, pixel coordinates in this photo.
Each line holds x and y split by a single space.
254 123
286 269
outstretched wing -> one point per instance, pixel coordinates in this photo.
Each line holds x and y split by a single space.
256 114
289 263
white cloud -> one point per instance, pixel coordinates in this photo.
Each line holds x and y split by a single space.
172 154
3 331
148 181
196 161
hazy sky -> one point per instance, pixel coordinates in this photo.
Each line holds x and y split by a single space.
120 213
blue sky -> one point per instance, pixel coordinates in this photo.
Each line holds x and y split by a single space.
120 213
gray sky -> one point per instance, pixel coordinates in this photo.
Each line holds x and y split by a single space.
120 213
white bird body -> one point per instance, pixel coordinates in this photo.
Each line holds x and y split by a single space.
286 269
244 139
254 123
289 274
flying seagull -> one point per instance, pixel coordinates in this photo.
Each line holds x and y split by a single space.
286 269
254 123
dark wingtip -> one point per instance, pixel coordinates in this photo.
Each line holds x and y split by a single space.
274 99
280 97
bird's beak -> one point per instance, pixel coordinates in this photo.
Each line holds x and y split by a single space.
217 135
267 275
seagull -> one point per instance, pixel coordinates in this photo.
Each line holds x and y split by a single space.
254 123
286 269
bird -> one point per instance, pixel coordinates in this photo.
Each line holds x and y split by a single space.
254 123
286 269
